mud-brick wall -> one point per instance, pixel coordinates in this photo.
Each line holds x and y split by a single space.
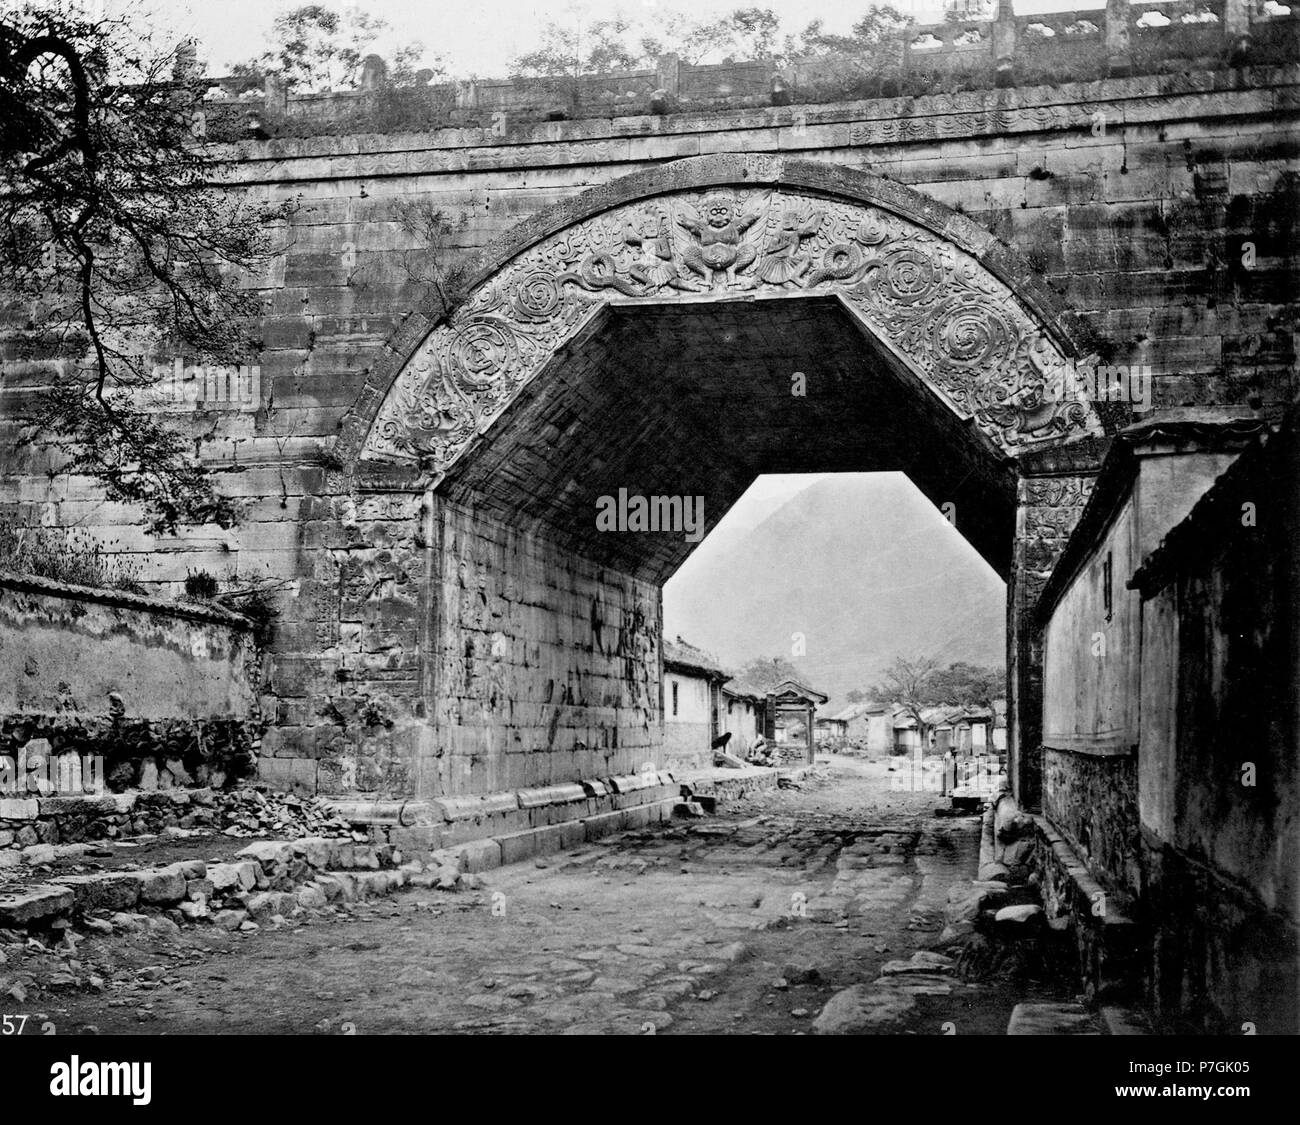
547 664
1220 776
165 694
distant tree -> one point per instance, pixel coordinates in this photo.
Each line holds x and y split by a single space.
115 242
908 682
963 684
744 33
766 672
879 26
604 45
857 696
317 48
919 683
569 50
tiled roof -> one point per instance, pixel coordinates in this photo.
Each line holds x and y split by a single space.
681 656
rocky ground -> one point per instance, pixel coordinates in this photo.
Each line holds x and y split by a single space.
797 910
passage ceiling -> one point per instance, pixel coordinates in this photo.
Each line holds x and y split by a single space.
694 399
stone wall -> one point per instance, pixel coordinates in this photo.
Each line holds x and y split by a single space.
1219 784
1092 801
1093 667
548 662
164 694
1139 227
990 49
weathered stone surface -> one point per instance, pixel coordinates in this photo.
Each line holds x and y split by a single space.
862 1009
1019 914
479 855
108 891
922 961
311 897
195 909
162 887
233 876
230 919
34 904
316 850
1051 1019
262 905
271 854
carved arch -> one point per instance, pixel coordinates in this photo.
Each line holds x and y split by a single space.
955 307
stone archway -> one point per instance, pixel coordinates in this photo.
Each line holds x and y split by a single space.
952 313
954 305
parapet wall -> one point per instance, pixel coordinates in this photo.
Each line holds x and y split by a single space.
995 49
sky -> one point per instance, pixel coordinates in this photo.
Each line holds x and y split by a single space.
481 37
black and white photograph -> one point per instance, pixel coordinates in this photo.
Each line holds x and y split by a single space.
650 518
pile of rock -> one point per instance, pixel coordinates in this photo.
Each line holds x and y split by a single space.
269 881
254 811
41 823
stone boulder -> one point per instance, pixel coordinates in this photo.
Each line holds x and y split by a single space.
863 1008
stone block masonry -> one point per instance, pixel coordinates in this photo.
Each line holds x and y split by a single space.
390 672
548 658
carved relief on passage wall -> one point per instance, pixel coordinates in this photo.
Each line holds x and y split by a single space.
935 307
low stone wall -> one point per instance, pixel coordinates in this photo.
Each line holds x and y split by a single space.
1092 800
106 690
1111 947
31 827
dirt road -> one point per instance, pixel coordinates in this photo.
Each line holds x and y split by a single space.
748 921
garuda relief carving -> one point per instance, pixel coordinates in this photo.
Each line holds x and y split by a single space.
953 323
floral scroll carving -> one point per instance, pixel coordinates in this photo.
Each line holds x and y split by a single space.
950 321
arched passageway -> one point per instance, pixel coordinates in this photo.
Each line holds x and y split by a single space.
673 335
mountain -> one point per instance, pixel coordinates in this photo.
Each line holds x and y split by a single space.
861 564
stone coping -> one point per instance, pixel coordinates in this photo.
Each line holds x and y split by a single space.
1082 881
122 599
976 103
411 812
714 774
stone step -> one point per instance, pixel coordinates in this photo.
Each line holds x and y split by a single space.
1052 1019
33 905
1124 1021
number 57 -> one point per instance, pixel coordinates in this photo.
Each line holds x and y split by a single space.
8 1027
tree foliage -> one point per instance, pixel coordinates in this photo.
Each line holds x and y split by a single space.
765 673
920 682
603 45
317 48
877 28
117 244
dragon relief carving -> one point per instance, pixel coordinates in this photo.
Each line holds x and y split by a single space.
955 324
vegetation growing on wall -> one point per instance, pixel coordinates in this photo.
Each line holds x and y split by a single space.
115 239
65 555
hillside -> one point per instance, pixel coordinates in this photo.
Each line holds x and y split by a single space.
862 564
